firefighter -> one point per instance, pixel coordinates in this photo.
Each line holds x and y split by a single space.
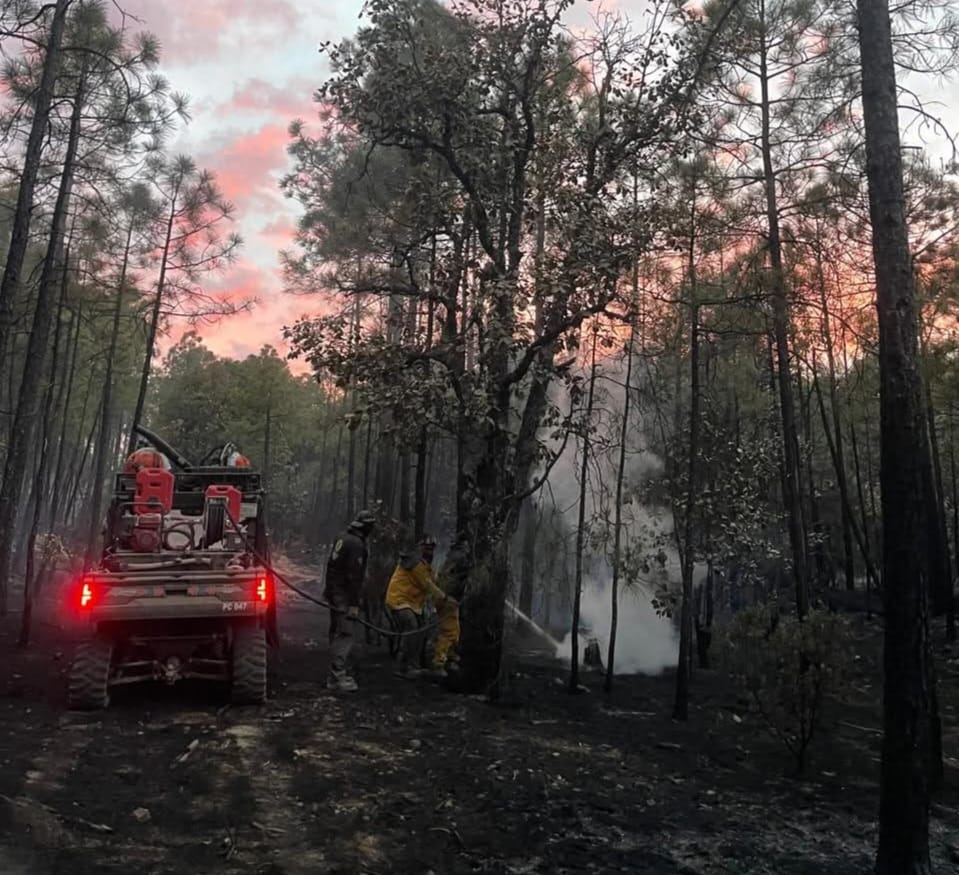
345 571
411 586
452 580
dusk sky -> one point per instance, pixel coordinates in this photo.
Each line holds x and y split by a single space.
250 67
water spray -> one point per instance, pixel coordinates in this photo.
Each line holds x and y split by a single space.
532 624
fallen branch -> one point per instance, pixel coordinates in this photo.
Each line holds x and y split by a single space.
868 729
450 832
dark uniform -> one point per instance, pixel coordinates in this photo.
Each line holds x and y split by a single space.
345 571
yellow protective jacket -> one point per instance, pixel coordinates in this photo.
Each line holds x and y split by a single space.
411 585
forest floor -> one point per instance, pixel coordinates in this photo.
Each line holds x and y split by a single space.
407 778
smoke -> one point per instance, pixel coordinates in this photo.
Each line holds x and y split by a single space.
645 642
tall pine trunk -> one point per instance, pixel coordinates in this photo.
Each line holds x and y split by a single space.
908 699
20 232
618 508
574 684
839 457
106 408
157 309
64 400
792 489
681 702
26 413
30 578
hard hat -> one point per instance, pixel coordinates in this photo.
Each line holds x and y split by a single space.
364 520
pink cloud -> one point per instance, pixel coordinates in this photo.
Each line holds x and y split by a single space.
280 231
189 30
244 166
294 99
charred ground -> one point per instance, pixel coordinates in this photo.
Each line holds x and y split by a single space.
408 778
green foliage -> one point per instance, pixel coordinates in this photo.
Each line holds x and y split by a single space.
789 669
201 401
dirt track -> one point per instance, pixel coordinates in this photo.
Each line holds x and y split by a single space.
406 778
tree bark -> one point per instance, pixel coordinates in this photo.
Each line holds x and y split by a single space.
40 474
155 318
791 480
530 526
106 409
574 684
20 232
839 458
681 702
908 681
24 423
618 509
63 407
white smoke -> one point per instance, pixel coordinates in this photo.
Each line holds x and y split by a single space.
645 642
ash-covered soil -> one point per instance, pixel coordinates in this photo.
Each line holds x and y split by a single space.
407 778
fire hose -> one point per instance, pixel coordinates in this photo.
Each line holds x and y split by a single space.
388 633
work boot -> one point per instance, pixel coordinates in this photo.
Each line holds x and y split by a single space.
341 684
437 673
407 673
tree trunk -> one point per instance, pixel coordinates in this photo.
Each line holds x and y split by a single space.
154 319
24 423
871 573
106 410
908 669
420 486
942 589
40 473
705 606
681 703
839 457
574 685
80 467
951 617
618 508
63 408
20 231
405 511
791 480
267 445
334 497
531 519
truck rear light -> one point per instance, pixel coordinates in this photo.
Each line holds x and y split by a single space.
87 592
263 588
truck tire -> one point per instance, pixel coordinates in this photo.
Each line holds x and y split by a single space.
89 684
249 666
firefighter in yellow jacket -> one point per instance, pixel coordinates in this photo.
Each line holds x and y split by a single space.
413 584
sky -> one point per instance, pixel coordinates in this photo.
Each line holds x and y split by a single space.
250 67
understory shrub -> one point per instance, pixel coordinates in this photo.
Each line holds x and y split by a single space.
789 669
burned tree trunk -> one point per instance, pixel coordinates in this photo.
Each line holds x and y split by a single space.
574 684
908 671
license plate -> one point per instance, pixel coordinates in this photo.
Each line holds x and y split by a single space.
235 607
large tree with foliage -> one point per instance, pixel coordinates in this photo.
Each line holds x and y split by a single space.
473 90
